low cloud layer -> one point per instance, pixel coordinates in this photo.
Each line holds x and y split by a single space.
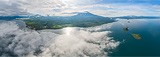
16 40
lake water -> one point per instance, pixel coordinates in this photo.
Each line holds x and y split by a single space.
100 41
148 29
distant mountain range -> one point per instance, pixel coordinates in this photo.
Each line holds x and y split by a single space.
79 15
82 19
137 17
11 17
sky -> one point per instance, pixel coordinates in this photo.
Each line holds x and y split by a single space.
107 8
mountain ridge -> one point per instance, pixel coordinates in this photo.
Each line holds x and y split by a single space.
78 15
137 17
56 22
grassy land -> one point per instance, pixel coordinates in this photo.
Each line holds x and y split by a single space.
61 22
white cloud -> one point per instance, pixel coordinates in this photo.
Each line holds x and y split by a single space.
66 42
43 7
8 7
113 10
58 7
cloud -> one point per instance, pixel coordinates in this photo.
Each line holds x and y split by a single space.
59 7
43 7
112 10
66 42
11 8
82 2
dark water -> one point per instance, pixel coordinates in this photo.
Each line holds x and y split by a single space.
148 29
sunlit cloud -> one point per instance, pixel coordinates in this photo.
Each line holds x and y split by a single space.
59 7
66 42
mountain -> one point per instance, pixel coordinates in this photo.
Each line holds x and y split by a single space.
86 14
137 17
11 17
81 19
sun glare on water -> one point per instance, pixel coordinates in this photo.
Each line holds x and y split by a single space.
68 31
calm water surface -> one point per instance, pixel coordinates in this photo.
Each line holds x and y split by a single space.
148 29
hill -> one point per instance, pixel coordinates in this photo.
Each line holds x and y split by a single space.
81 19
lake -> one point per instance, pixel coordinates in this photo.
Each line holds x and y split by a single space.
148 45
111 39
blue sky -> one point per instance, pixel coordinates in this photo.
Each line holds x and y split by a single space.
151 2
108 8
